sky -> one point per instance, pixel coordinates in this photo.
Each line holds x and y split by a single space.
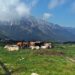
60 12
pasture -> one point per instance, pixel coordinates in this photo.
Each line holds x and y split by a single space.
57 61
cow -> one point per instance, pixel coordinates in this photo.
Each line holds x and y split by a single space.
34 47
25 44
12 47
47 46
37 43
31 43
43 47
20 44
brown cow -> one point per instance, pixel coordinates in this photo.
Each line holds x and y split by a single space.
20 44
23 44
31 43
26 44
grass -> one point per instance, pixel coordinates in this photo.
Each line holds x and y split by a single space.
54 61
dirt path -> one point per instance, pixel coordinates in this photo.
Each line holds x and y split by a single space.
70 59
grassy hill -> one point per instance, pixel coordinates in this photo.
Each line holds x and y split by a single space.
57 61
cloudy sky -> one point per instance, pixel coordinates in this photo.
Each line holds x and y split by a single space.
60 12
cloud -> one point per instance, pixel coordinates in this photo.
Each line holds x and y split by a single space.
22 9
12 9
34 3
55 3
46 16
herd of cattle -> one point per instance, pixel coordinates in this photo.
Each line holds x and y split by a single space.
31 45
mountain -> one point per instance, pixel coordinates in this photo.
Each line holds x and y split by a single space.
70 29
31 28
2 36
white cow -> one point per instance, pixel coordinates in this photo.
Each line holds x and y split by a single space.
34 47
46 46
12 47
6 46
43 47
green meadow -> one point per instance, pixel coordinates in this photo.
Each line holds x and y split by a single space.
59 60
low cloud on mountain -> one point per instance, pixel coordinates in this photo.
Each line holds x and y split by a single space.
46 16
12 9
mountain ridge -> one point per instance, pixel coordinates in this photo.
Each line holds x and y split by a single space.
31 28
